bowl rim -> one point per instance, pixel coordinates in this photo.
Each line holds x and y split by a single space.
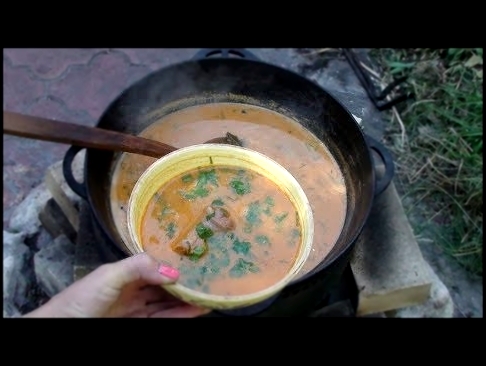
305 215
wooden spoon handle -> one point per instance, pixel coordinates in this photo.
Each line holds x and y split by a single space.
91 137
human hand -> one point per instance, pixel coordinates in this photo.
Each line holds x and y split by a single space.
128 288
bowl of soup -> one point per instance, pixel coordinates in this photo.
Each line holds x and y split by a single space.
235 223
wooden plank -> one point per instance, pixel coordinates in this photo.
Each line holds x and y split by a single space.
387 263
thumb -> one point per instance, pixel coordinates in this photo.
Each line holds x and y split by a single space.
141 267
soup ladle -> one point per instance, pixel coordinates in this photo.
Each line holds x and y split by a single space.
46 129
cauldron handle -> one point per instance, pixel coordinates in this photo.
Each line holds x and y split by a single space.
225 53
67 171
382 183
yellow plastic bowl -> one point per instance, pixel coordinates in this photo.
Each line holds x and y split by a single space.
192 157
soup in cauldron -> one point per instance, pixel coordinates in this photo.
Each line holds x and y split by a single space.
268 132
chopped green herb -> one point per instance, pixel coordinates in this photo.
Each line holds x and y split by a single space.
203 231
157 197
253 214
247 228
294 237
239 187
295 233
198 252
210 216
262 240
171 229
219 255
210 160
162 210
216 262
188 178
242 268
166 210
220 242
210 269
279 218
218 202
270 201
207 177
197 192
241 247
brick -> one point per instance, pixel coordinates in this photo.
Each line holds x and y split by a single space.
64 196
54 108
25 216
387 263
50 63
93 86
438 305
156 58
55 221
19 88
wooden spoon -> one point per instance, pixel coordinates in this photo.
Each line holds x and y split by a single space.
91 137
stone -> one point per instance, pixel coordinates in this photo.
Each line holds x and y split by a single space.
25 217
64 196
438 305
17 273
10 310
54 266
387 263
55 221
43 240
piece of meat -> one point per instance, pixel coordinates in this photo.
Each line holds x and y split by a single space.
188 245
217 219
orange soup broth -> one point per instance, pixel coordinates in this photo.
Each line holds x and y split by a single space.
256 254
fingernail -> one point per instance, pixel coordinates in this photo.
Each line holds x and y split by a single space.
169 272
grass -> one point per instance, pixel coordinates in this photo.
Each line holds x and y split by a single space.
437 140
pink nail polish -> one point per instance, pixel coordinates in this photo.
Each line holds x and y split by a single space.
169 272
